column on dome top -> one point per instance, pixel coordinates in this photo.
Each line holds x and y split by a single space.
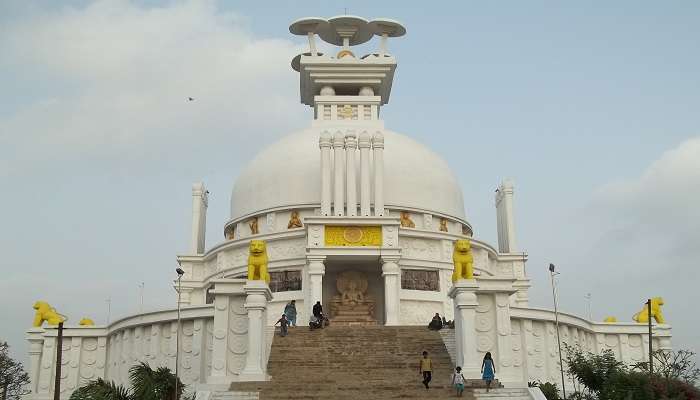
378 146
351 196
325 143
365 185
339 178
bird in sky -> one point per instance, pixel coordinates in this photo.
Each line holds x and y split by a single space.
190 98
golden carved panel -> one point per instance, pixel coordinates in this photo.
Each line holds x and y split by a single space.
354 236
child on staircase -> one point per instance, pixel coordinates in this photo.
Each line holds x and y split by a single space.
458 381
426 369
284 324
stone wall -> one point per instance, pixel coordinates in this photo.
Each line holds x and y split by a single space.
215 342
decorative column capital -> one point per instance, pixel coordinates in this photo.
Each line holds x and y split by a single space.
364 140
350 140
390 267
464 293
378 140
338 140
316 265
325 140
258 293
390 259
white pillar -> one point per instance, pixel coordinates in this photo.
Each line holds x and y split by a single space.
325 144
35 336
378 146
350 149
503 337
257 296
463 294
505 219
199 217
339 176
219 367
392 285
316 271
365 185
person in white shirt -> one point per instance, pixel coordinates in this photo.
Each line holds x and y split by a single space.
458 381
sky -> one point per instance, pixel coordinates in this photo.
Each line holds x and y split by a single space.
590 107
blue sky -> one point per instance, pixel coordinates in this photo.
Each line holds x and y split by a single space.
592 108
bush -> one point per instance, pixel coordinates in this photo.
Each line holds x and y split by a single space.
548 389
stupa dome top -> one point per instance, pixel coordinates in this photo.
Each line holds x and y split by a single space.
287 175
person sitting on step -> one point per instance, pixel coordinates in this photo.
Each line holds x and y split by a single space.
436 323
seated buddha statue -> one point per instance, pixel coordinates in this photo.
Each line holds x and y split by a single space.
352 305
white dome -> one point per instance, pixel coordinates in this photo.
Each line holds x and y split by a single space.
287 174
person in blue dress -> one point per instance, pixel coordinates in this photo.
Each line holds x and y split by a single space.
290 310
488 370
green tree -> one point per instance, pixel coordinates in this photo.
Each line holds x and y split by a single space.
592 371
146 384
13 378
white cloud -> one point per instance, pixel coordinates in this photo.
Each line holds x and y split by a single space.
638 238
113 79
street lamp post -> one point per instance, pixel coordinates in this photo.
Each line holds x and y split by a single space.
556 321
180 272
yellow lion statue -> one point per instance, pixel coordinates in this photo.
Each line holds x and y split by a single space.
44 312
463 260
257 261
643 316
610 320
86 322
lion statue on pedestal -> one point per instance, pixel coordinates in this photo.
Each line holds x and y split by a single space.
463 260
44 312
642 317
257 261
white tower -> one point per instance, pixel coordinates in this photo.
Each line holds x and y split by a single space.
200 202
504 217
346 93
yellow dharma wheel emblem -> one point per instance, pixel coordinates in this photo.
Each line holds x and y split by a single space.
352 234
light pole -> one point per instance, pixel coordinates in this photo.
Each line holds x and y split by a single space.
556 321
180 272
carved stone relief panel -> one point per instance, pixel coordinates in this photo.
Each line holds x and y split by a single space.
286 249
422 249
415 279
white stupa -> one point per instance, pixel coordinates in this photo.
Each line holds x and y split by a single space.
355 216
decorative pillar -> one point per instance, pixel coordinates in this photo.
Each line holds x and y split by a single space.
338 198
325 143
365 186
258 294
225 292
35 336
503 336
378 146
316 271
199 217
392 285
463 294
350 148
505 219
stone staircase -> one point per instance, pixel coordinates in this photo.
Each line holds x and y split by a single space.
362 362
448 337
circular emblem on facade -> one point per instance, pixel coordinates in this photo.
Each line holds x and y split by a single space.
352 234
